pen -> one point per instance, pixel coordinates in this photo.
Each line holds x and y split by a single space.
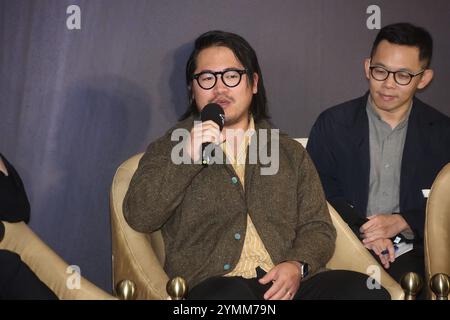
386 251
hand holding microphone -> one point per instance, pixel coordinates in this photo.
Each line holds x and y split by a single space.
209 131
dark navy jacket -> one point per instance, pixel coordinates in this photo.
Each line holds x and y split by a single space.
339 147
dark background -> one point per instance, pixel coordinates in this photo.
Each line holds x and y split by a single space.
74 104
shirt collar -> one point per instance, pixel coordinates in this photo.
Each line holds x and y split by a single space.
372 112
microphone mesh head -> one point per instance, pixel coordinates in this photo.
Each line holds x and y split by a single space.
214 112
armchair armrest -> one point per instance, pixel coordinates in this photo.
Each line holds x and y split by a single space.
350 254
46 264
136 256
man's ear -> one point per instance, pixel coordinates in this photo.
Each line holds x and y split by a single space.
366 68
255 83
425 79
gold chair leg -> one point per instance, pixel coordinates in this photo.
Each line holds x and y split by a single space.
126 290
439 284
411 284
177 288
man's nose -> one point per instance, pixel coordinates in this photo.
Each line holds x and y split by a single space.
220 86
390 81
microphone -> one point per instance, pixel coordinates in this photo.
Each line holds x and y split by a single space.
214 112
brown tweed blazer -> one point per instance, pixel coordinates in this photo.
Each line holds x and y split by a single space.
201 209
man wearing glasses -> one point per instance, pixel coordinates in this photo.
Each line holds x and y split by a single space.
377 156
230 231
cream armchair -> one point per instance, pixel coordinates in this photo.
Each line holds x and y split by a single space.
139 257
350 254
437 227
46 264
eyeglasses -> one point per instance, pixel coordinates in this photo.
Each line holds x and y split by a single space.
403 78
230 77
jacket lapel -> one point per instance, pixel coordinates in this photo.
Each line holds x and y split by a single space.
359 137
412 151
251 168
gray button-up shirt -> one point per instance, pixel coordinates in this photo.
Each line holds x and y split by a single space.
386 151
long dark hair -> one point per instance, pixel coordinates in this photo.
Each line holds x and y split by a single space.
244 53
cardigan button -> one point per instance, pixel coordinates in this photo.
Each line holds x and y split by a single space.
237 236
226 267
234 180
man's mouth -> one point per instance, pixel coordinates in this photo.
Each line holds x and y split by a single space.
386 97
223 102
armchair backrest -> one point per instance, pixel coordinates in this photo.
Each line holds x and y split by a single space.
437 227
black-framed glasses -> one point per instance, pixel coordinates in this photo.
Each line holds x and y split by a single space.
402 77
230 77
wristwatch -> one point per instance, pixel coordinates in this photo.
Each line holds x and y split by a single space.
304 269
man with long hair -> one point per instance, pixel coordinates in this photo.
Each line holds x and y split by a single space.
231 231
